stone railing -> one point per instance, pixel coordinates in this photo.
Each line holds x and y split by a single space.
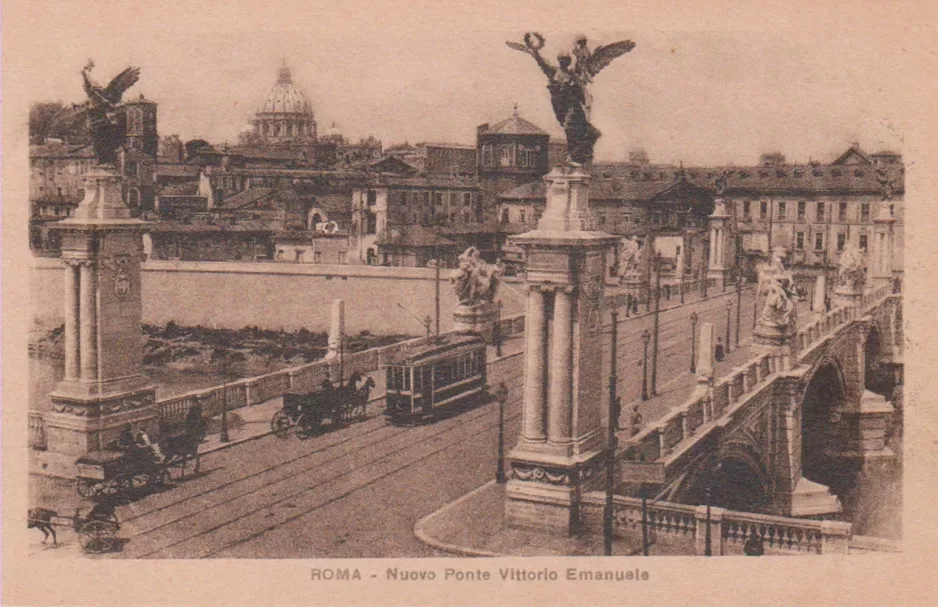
681 528
305 378
37 430
706 405
813 333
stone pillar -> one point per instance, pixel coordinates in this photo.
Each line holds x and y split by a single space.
716 531
820 294
882 246
566 258
561 386
103 387
72 358
88 326
535 379
705 346
336 328
718 224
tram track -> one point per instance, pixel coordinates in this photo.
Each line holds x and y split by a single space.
288 471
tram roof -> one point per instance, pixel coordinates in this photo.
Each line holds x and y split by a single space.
448 345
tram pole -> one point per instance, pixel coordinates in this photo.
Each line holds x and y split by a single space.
436 284
654 354
501 395
613 424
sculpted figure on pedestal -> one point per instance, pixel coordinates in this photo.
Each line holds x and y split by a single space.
474 281
852 270
568 86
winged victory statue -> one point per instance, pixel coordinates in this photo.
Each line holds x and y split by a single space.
568 83
107 121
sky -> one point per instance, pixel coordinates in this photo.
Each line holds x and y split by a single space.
706 87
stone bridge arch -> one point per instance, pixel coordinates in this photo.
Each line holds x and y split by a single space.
736 476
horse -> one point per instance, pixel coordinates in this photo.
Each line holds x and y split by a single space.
183 447
41 519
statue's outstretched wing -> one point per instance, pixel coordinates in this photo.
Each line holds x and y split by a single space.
121 83
604 54
518 46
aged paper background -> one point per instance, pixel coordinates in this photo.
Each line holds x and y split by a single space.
891 53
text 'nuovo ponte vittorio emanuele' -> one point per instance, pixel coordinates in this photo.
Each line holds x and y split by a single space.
778 433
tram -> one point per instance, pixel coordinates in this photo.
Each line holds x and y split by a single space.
422 383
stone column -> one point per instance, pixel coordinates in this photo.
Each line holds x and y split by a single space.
705 346
88 324
561 360
882 246
535 367
820 293
72 358
716 531
718 223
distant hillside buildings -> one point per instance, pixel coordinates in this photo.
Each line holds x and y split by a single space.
289 192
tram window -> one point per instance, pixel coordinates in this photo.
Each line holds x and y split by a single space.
406 378
418 379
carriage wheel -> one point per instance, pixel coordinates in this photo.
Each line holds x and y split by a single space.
97 536
280 424
308 424
112 487
84 487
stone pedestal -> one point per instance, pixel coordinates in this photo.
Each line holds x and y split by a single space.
847 295
103 386
774 340
719 222
883 242
478 319
818 303
811 499
559 452
866 428
636 287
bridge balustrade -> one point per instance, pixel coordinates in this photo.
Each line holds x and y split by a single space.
681 528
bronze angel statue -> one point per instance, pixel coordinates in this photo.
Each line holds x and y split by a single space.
107 121
569 87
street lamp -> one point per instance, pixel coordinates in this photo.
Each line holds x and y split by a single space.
729 309
498 329
693 342
708 542
611 441
682 286
501 395
654 348
646 337
739 303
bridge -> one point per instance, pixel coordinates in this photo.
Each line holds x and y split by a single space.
779 431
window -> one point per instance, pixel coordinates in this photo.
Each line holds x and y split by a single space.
819 241
298 256
317 257
372 198
438 198
404 198
763 209
782 207
801 209
863 242
343 257
842 212
865 212
892 208
799 241
504 215
487 157
504 156
280 255
656 218
522 216
467 199
841 242
820 211
746 209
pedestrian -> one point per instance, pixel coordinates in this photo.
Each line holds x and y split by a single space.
637 421
754 545
126 439
719 353
827 303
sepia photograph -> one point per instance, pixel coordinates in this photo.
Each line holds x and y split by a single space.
411 296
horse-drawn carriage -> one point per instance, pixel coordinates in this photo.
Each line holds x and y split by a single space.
306 412
96 530
130 464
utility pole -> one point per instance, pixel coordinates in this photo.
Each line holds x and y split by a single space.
436 284
739 284
654 347
611 441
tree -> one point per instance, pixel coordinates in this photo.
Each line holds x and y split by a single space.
55 119
247 137
194 145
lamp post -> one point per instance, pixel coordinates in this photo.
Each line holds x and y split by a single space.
226 371
498 329
611 440
729 309
708 543
501 395
654 348
739 303
693 342
646 337
682 286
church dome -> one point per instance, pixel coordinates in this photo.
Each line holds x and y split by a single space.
284 97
